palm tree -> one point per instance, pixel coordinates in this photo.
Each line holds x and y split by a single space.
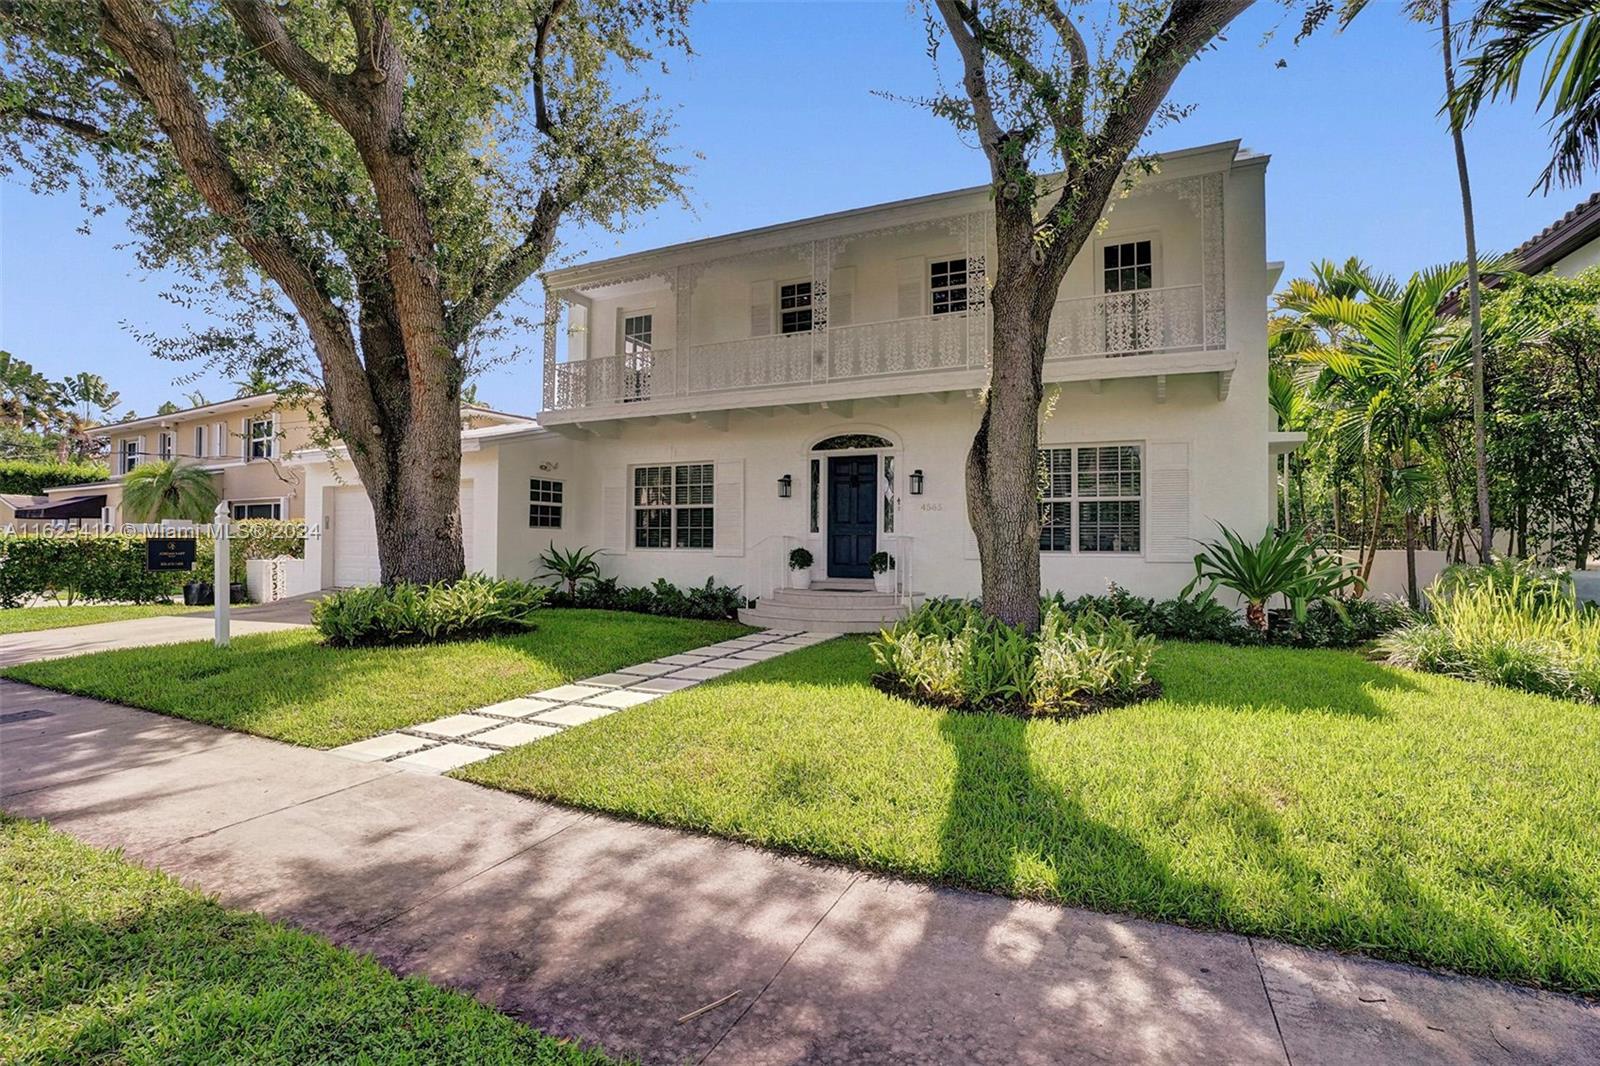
1480 450
1388 380
26 397
156 492
92 393
1505 35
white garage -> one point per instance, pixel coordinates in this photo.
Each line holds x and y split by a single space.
353 536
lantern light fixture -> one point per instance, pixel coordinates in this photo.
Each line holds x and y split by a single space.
916 482
785 487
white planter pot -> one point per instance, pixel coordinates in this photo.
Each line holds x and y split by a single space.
884 582
800 579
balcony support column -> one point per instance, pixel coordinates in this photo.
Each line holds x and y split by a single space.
683 280
821 277
552 322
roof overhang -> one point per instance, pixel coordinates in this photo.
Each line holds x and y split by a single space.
1282 443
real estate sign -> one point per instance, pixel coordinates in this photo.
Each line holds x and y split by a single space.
169 553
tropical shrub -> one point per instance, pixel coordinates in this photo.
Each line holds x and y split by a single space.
572 567
1282 563
475 606
173 489
1543 585
32 478
800 559
881 562
951 654
708 601
1507 632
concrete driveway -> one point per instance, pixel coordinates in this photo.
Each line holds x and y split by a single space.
130 633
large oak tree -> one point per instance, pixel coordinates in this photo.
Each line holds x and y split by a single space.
393 172
1058 97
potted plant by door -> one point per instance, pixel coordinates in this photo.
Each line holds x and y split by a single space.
882 564
800 569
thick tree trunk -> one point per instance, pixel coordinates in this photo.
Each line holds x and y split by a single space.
1002 465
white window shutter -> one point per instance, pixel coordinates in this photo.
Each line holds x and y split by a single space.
760 308
1168 535
244 438
614 511
909 285
841 296
727 515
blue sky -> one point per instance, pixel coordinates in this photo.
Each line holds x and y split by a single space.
780 103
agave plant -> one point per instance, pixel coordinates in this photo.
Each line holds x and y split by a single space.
1282 563
573 567
171 489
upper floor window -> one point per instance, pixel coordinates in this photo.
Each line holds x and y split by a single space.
219 438
545 499
672 506
794 307
1096 489
638 333
130 455
1129 266
947 279
257 509
263 437
199 441
168 444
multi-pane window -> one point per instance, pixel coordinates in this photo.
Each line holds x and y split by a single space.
130 455
672 506
638 333
262 434
947 279
545 500
167 446
1129 266
1098 489
257 509
199 441
794 307
219 439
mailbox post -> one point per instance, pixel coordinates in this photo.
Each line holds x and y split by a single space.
220 571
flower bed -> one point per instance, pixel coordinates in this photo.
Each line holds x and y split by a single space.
949 654
475 606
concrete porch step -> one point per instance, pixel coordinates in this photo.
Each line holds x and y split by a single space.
828 598
756 616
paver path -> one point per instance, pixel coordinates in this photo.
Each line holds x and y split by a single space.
608 931
128 633
458 739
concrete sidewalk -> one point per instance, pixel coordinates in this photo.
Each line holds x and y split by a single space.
610 932
129 633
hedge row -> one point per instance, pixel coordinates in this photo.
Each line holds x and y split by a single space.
32 478
109 567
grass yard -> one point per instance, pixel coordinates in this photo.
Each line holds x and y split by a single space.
31 619
291 687
104 961
1310 796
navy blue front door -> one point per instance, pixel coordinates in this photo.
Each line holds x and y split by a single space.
852 514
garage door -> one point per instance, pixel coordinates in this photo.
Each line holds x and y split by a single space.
355 538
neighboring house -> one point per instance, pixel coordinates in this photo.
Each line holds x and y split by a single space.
1567 246
257 446
710 406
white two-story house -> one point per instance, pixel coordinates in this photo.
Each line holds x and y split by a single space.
709 406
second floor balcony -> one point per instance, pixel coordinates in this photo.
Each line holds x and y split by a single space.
880 302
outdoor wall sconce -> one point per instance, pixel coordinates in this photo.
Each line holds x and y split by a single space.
916 482
785 487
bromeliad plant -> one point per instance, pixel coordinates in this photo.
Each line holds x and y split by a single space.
573 567
1282 563
950 654
403 613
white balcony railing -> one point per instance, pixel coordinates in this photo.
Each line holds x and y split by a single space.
1126 323
1116 324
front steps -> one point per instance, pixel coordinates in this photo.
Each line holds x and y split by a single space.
826 607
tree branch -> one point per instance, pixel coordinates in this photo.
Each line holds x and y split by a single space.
956 16
541 44
266 31
77 127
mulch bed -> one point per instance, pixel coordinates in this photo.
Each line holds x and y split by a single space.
893 686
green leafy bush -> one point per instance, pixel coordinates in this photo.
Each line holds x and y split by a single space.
949 653
572 567
800 559
32 478
1544 586
1282 563
475 606
709 601
1505 630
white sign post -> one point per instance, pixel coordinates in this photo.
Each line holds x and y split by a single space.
220 585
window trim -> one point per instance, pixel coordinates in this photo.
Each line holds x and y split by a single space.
625 313
1157 260
128 453
219 440
200 440
672 506
1076 499
810 307
275 502
166 445
558 505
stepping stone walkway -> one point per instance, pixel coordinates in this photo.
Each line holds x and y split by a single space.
445 743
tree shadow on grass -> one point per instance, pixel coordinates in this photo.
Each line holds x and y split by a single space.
1278 679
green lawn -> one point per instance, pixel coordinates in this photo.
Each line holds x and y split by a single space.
291 687
29 619
104 961
1310 796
